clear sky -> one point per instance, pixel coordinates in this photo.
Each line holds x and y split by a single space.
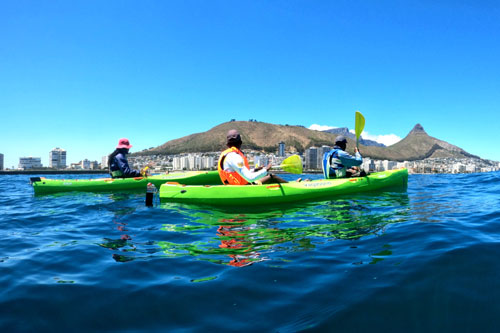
81 74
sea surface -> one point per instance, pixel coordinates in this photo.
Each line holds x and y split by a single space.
424 259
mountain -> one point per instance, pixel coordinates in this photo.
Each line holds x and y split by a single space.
417 145
255 135
345 132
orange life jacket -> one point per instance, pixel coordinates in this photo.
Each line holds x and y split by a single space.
231 177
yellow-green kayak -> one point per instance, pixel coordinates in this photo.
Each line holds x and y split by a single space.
43 185
252 195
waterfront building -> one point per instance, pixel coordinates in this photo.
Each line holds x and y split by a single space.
76 166
470 168
26 163
312 158
94 165
1 161
260 160
368 164
57 158
176 163
388 165
104 162
194 162
281 149
458 168
321 152
207 162
85 164
180 163
378 165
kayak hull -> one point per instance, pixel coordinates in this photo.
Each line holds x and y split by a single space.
46 186
252 195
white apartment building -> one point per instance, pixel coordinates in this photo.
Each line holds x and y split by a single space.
388 165
458 168
180 163
26 163
194 162
207 162
368 164
57 158
104 161
470 168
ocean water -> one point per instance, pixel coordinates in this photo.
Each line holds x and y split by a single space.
426 259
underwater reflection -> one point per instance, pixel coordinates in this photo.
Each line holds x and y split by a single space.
241 239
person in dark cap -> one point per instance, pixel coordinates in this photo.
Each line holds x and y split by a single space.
118 164
234 169
337 163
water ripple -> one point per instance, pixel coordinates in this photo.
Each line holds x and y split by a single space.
420 260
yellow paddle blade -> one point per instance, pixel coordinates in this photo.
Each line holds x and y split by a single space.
292 164
359 124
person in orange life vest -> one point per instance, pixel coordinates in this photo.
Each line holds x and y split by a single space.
234 169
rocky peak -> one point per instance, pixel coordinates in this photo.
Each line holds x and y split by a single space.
418 129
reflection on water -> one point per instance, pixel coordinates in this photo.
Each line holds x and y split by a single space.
124 243
229 237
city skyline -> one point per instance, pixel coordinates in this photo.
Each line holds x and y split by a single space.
153 72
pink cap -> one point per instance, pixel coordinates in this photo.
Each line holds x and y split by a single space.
124 143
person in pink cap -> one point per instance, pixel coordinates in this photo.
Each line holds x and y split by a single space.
118 164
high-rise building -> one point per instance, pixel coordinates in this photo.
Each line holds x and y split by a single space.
1 161
281 149
321 152
57 158
312 158
104 162
85 164
30 162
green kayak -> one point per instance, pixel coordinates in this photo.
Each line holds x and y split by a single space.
43 185
251 195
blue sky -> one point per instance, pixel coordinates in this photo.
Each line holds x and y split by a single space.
81 74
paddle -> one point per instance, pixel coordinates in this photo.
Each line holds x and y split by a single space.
291 164
359 126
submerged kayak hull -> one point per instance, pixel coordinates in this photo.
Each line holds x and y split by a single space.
45 186
251 195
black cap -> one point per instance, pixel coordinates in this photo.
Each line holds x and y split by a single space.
340 140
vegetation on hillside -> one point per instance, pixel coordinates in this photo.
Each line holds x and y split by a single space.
417 145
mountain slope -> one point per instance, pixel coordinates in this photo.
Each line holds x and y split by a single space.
255 135
261 136
418 145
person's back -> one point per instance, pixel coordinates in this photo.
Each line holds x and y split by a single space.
234 169
118 164
337 163
233 165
